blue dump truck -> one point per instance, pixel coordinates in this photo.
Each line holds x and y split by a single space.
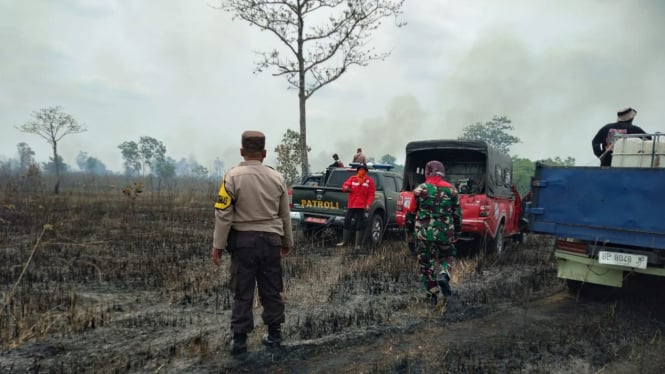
609 222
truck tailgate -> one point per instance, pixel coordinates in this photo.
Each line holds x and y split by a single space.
319 200
605 205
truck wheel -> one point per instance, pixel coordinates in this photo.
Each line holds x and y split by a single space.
574 286
523 238
309 232
497 245
375 230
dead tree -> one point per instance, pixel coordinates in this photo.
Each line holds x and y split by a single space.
320 40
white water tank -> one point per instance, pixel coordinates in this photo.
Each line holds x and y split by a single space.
635 152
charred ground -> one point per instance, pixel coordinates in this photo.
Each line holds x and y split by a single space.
91 283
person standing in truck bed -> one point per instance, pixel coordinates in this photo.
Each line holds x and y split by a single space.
602 142
336 162
359 157
434 226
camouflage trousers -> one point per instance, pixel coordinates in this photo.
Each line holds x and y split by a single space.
434 257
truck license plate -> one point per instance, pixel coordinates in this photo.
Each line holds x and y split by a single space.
623 259
316 220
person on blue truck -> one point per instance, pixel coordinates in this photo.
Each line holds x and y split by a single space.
602 142
434 226
361 190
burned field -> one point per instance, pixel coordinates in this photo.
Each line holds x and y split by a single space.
92 283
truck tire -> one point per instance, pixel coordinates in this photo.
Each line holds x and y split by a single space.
523 238
375 230
308 232
497 245
523 227
589 290
574 286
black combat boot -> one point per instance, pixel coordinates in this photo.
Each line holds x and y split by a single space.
239 344
444 283
273 338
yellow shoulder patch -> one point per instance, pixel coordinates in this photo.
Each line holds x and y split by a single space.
223 198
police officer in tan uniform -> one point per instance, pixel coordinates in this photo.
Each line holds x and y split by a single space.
253 223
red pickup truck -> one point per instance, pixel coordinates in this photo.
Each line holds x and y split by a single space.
491 205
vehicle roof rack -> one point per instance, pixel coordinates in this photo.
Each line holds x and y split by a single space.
373 165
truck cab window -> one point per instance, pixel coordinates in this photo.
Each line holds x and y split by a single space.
390 184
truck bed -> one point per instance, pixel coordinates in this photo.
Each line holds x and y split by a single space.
622 206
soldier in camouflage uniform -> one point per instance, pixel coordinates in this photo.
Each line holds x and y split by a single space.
434 226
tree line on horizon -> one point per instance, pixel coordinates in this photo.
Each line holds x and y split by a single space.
147 157
496 132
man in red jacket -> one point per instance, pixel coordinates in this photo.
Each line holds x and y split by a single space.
362 190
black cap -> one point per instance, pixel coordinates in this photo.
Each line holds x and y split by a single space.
362 166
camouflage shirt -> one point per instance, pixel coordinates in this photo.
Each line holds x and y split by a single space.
438 217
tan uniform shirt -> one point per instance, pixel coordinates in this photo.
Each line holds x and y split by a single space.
359 158
252 197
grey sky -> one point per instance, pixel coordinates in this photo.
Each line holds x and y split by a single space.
181 72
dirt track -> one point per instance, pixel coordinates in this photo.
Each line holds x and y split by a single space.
133 296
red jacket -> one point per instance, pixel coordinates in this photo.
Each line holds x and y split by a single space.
362 195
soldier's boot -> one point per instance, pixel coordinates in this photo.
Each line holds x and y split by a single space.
443 278
346 238
436 301
412 248
239 344
444 283
359 240
273 338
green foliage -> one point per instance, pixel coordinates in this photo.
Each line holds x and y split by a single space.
199 171
51 167
164 169
523 169
190 168
388 159
289 156
494 132
25 156
558 161
130 155
33 177
90 165
147 153
152 152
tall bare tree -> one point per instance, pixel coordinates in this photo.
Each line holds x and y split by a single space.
320 40
52 124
